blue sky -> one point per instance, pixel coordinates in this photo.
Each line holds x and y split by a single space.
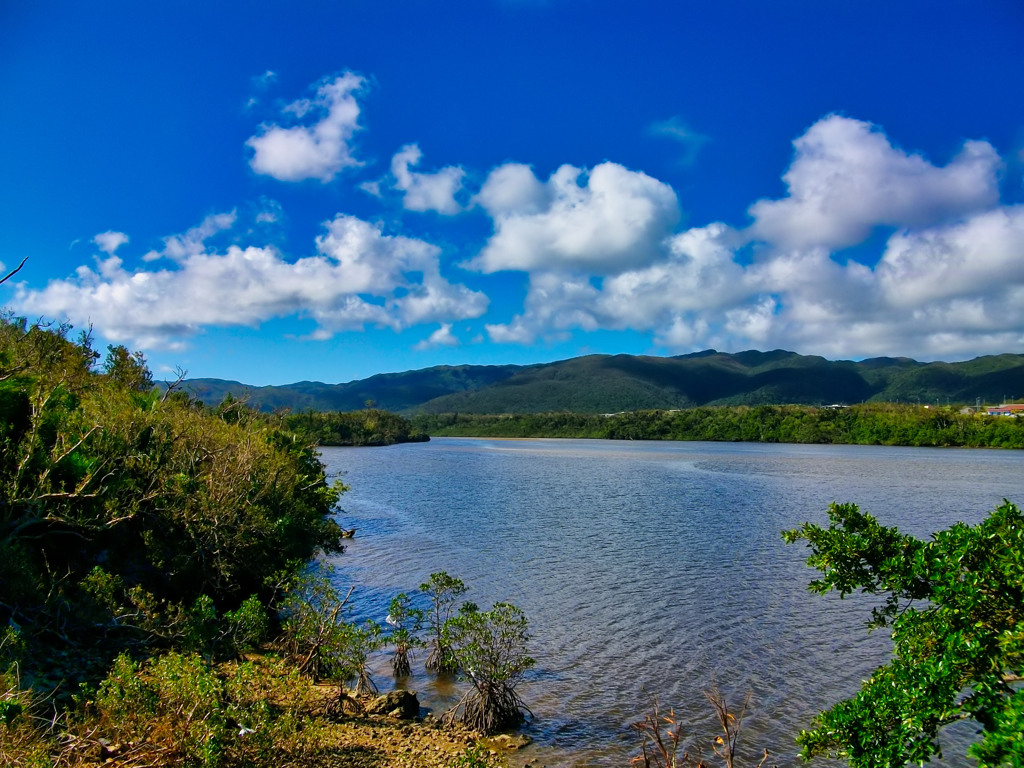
273 192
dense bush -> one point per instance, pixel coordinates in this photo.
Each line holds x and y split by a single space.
367 427
129 516
147 544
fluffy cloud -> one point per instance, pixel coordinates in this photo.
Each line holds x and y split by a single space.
425 191
983 255
442 337
949 283
605 221
674 296
358 276
846 178
193 242
317 151
109 242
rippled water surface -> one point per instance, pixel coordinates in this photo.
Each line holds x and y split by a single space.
649 568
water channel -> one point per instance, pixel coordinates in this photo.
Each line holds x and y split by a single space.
649 569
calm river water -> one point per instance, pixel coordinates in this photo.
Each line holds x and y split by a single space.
650 569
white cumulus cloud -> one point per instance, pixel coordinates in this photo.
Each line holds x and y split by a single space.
109 242
983 255
442 337
358 276
606 220
425 191
949 283
319 150
846 178
696 278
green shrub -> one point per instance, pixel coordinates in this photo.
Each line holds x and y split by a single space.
194 714
955 606
323 645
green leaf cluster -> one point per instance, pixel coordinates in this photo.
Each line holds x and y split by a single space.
178 709
319 639
490 646
955 605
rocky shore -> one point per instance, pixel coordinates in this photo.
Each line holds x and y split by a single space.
389 733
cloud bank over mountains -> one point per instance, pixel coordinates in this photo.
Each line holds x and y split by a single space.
601 248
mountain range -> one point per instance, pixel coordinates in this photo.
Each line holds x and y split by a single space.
613 383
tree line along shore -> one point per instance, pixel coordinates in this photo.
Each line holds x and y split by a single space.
865 424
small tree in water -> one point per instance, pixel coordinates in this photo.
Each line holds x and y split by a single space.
444 591
490 646
405 621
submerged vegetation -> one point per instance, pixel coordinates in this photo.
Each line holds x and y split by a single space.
868 424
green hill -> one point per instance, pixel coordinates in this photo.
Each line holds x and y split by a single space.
613 383
397 392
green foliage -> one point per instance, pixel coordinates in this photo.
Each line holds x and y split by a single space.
444 591
475 756
190 713
406 623
23 743
12 648
214 636
323 645
128 517
366 427
868 424
954 604
128 369
490 648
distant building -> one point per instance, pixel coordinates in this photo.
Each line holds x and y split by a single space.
1009 409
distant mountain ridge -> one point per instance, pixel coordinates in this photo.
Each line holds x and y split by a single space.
613 383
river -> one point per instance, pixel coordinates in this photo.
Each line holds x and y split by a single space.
650 569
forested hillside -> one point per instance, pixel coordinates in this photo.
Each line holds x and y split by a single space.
609 384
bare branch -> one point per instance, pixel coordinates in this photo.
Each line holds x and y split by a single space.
13 272
179 376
